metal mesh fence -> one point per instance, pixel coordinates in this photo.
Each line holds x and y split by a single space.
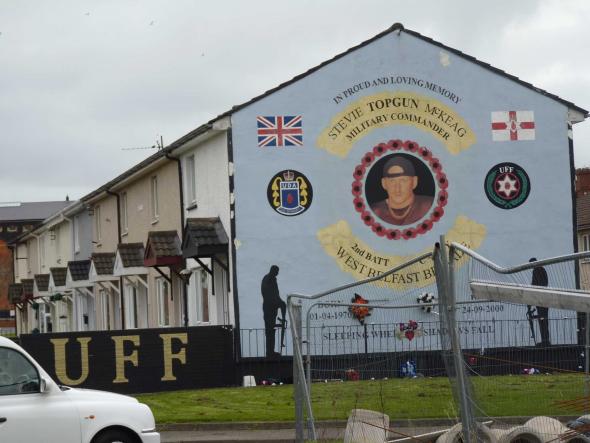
386 346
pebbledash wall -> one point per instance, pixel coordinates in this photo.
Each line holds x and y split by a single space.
491 153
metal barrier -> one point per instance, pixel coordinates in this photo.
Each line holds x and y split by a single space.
362 331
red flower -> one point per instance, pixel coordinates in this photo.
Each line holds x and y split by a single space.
368 158
443 197
425 153
393 234
443 182
409 233
357 188
379 149
435 163
359 204
394 145
411 146
359 171
379 230
367 218
424 227
437 214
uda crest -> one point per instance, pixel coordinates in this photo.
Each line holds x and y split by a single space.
289 192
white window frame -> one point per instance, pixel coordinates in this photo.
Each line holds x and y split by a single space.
131 311
42 248
203 308
162 291
191 183
124 214
76 222
154 198
97 224
105 314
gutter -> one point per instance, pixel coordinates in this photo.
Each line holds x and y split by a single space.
181 195
119 241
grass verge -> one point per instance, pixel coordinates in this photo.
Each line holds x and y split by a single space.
399 398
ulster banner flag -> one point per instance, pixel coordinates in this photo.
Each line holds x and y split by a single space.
513 125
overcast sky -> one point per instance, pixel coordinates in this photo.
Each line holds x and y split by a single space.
81 80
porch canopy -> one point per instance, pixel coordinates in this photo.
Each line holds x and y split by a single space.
129 263
102 265
206 238
163 249
41 285
78 277
78 274
15 293
28 288
57 279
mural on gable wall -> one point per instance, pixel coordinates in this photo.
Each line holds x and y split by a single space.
366 162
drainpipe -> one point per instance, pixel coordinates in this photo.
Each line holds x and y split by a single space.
119 241
181 188
14 250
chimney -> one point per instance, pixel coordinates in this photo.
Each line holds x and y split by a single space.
582 181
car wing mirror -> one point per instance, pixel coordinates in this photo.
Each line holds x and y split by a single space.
42 385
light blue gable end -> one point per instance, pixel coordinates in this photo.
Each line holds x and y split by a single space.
501 179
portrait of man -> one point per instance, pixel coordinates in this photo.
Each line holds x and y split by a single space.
403 205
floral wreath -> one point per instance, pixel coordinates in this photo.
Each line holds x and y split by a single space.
360 312
409 330
359 201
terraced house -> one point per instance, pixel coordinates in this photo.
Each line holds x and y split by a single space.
41 262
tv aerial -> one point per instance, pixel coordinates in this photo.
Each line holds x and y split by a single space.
159 145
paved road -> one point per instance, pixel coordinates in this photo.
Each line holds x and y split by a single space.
264 432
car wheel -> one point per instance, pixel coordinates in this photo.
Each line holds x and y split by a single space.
115 436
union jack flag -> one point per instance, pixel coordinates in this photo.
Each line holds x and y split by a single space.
280 130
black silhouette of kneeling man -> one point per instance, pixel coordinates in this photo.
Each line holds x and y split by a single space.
271 302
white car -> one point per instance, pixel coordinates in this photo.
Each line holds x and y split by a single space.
34 409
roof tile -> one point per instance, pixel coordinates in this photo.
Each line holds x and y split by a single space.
131 254
15 293
42 281
104 262
79 269
59 275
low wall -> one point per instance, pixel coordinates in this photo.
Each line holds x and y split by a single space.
139 360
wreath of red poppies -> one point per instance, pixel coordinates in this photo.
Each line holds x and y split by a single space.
358 189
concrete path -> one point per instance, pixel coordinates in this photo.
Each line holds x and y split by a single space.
266 432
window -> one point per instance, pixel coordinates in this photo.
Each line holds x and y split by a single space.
585 243
17 374
154 198
124 218
203 296
12 228
57 243
131 296
41 241
162 289
104 297
76 234
191 189
97 224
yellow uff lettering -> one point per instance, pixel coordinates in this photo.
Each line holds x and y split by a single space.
59 347
121 358
169 355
